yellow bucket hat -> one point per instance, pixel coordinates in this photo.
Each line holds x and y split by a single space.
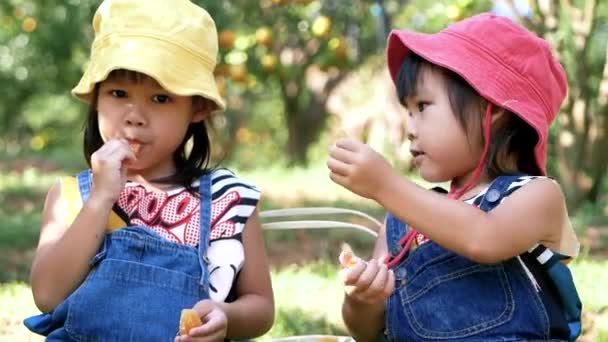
173 41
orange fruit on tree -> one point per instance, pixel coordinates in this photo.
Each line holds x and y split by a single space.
221 70
269 62
340 48
226 39
263 36
321 26
238 73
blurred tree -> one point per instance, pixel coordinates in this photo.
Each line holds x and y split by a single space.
42 48
302 48
296 50
578 31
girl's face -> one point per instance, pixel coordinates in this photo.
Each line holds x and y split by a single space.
441 149
153 120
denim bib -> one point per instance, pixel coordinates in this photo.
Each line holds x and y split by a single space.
442 296
138 284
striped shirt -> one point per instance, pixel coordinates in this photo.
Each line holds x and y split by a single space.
175 215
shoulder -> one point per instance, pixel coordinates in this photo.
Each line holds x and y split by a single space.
62 202
64 189
223 180
537 200
540 190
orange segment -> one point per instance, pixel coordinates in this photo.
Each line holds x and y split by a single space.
135 147
347 258
189 319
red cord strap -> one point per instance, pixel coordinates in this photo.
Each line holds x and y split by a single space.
408 239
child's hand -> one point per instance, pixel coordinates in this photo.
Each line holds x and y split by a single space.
368 282
357 167
109 170
214 325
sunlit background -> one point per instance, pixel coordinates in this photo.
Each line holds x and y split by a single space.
296 74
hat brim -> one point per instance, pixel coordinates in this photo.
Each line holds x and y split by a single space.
456 54
176 69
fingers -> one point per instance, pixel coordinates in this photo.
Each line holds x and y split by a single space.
115 150
342 154
371 282
203 307
214 324
390 284
337 167
348 144
368 276
351 275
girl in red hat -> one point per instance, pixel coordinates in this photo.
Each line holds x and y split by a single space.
486 261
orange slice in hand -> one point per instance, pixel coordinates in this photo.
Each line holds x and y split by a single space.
189 319
347 258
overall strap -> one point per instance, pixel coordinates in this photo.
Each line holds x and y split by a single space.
400 237
395 230
205 200
551 262
85 179
500 188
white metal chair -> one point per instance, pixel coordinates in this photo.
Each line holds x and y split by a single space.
312 218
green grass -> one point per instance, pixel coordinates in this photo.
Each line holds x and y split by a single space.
308 300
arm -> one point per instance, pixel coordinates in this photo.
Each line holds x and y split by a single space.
365 320
63 254
252 314
482 237
62 258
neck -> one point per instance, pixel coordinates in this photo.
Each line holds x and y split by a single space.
462 187
150 175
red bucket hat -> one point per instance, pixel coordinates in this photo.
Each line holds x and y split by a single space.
505 63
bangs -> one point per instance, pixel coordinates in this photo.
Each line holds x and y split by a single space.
129 75
409 76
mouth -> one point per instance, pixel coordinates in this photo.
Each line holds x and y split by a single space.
417 156
134 144
416 153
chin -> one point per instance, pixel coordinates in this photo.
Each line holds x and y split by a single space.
433 177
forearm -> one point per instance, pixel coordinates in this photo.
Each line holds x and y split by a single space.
452 224
62 263
250 316
365 322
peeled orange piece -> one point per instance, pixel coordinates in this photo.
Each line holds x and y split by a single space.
135 147
347 258
189 319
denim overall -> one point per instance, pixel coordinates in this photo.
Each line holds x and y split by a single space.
138 284
442 296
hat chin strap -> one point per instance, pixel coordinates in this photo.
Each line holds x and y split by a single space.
457 193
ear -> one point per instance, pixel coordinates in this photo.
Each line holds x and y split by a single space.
202 108
200 115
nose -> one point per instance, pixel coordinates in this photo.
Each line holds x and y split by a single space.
411 130
135 117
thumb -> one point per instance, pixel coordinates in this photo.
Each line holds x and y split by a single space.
203 307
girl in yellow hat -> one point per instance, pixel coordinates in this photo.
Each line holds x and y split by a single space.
150 229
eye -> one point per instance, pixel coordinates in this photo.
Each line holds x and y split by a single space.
118 93
421 106
161 98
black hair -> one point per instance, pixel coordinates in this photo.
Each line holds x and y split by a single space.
513 137
190 163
